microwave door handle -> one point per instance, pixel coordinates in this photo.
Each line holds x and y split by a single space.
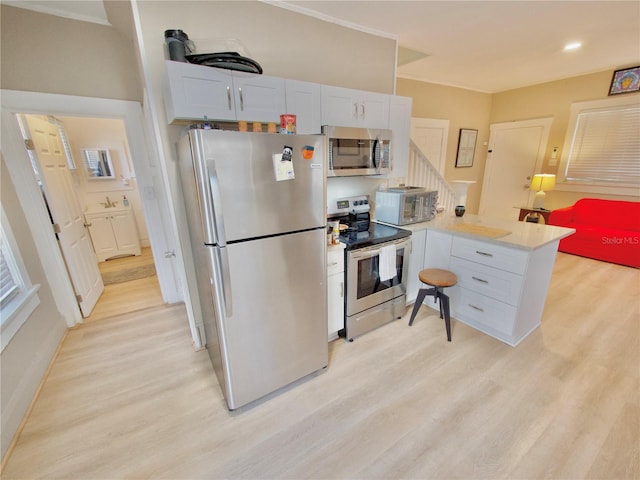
373 153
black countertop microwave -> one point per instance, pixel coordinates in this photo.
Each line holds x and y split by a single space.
357 151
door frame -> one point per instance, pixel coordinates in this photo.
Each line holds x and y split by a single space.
30 197
545 123
434 123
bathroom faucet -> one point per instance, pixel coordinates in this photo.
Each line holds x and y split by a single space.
109 203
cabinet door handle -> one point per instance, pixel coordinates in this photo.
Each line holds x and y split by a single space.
484 253
241 99
333 264
355 110
477 308
362 115
229 96
87 225
341 289
481 280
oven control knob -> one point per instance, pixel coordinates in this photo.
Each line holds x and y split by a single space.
365 202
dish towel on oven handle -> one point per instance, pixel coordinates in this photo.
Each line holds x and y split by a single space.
387 265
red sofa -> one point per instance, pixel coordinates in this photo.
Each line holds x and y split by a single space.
606 230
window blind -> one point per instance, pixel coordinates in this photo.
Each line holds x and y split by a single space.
606 146
8 285
67 148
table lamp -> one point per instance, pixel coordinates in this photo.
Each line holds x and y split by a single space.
542 182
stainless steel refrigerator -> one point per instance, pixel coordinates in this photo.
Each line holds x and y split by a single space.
255 207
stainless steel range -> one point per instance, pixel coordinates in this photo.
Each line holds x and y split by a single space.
376 259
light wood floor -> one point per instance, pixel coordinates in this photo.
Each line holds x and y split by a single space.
127 296
128 397
130 261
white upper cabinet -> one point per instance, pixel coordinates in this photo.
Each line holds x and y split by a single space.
258 98
303 100
346 107
400 124
196 91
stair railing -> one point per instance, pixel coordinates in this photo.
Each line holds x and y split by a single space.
422 173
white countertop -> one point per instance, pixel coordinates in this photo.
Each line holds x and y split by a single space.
336 246
100 209
523 235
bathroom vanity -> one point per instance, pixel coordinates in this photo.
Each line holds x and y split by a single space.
113 232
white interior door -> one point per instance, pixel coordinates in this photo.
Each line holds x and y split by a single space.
431 136
516 151
73 236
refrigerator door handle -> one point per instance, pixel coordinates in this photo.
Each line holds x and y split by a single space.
216 202
223 257
202 186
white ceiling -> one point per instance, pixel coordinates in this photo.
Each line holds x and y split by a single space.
489 46
85 10
492 46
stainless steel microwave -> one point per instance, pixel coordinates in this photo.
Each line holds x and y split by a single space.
357 151
404 205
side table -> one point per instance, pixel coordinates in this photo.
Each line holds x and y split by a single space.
538 211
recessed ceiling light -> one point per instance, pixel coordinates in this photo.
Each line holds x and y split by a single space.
572 46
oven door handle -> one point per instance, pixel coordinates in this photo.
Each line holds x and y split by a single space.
375 250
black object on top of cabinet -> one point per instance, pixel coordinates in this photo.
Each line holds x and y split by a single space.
226 60
179 45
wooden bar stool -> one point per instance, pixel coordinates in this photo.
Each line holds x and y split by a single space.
437 279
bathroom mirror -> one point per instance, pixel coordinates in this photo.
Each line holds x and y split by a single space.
97 164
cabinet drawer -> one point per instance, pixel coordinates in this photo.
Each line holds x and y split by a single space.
497 256
335 260
482 311
494 283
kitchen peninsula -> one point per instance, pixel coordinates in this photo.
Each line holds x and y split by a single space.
503 268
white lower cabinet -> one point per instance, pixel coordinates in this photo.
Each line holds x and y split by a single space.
501 289
335 289
113 233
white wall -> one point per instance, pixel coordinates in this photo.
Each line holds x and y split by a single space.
26 358
105 133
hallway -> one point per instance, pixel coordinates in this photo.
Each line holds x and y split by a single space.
127 297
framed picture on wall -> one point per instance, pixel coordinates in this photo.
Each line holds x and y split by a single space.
466 147
625 81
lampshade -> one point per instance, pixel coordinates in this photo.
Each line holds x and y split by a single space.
460 188
543 182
